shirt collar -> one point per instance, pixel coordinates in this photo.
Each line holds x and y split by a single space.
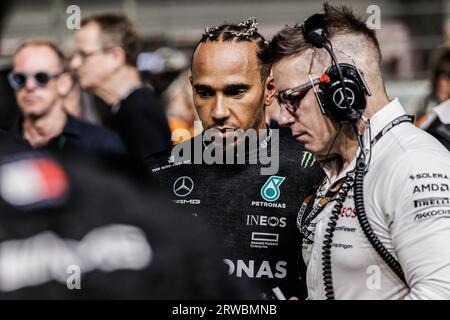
385 115
71 128
378 121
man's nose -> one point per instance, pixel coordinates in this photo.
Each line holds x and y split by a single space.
30 84
285 118
75 62
220 111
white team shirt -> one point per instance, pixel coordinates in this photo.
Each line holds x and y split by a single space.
407 202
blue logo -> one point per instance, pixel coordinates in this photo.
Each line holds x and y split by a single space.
271 189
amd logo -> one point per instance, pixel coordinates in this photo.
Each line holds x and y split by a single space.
256 220
431 187
241 268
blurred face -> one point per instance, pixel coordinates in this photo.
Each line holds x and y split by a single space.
307 122
227 87
91 61
34 98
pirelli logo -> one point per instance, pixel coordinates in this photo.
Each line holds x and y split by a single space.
431 202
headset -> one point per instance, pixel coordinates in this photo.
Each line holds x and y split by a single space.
343 94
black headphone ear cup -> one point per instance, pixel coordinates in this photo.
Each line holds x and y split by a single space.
333 94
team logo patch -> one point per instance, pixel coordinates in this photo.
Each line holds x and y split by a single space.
271 189
339 98
183 186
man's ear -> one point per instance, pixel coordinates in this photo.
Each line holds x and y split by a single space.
64 84
270 90
119 57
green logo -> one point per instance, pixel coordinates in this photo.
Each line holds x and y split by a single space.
307 159
271 189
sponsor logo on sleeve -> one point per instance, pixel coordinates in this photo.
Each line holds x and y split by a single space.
431 187
433 201
432 213
428 175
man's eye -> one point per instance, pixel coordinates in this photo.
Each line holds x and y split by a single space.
235 91
296 98
205 93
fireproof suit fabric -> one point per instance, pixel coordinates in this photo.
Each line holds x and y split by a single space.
76 230
407 202
254 215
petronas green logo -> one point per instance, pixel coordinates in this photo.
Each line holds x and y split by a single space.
271 189
307 159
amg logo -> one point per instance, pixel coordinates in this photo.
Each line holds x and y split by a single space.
432 213
255 220
431 187
183 201
430 202
240 268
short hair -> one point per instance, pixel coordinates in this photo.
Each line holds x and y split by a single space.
243 32
118 30
441 66
44 43
340 21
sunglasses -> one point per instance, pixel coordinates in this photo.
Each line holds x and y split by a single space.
291 98
17 80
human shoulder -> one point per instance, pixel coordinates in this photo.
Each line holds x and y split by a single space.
90 130
139 100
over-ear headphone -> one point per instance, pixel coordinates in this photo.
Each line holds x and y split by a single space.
342 90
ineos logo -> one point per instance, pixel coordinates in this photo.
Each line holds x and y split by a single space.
183 186
339 98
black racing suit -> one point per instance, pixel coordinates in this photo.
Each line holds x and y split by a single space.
257 226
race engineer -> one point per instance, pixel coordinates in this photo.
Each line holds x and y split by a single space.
378 225
251 198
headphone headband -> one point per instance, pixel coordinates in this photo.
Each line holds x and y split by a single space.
344 97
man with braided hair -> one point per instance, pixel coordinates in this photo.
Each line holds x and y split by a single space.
250 206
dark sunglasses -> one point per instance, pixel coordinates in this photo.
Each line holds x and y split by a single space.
291 98
17 80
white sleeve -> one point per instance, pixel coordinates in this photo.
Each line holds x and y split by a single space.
420 227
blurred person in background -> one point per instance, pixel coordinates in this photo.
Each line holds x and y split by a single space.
180 106
437 120
76 230
81 103
106 49
439 82
41 83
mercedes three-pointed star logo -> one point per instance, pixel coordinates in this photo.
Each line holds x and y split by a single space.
183 186
339 99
